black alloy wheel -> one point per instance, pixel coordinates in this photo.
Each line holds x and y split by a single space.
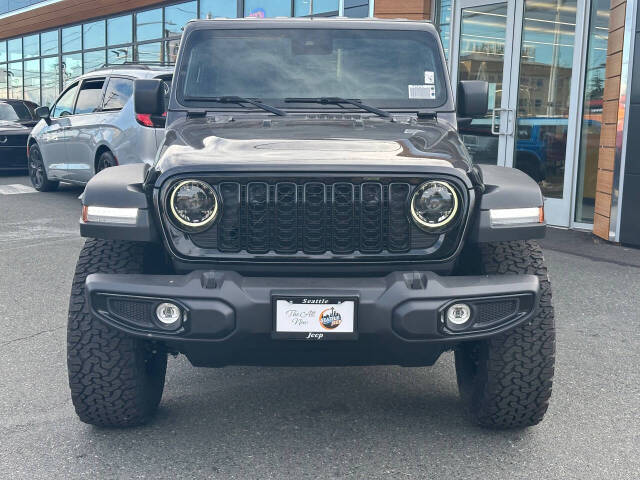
37 172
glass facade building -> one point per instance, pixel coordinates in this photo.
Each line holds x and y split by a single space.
38 66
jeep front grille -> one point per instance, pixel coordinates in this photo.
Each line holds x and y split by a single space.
345 217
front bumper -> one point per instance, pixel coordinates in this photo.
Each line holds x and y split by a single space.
229 317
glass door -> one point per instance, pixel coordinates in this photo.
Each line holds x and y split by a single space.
483 30
532 124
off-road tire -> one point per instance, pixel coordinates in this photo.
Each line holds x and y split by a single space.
38 172
116 380
505 381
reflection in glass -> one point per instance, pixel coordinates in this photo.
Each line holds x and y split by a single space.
119 55
149 53
267 8
50 80
544 92
218 8
119 30
149 25
71 39
171 51
3 80
177 16
71 68
356 8
303 8
32 81
482 35
31 46
49 42
3 52
94 60
93 34
592 111
14 49
444 25
14 75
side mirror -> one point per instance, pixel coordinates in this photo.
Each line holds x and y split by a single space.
148 97
473 98
44 113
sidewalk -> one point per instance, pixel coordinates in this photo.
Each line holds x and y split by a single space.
585 244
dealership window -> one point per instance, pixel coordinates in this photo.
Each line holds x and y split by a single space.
32 81
177 16
218 8
71 39
120 30
443 12
93 60
14 74
71 67
119 55
31 46
267 8
50 79
149 53
14 49
3 80
314 7
3 52
149 25
598 36
49 43
93 35
356 8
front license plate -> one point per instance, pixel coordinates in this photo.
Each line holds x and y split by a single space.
315 318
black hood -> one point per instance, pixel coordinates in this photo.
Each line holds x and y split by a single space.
269 143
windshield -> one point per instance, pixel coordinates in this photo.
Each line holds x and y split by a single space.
385 68
14 112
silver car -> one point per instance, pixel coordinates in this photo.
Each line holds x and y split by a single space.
92 125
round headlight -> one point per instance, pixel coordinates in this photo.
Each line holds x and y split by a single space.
434 205
194 204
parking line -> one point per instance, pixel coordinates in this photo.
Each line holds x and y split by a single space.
16 189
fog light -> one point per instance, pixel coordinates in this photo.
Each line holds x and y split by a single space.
458 316
168 314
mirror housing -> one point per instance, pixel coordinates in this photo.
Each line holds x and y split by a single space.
473 98
148 96
43 113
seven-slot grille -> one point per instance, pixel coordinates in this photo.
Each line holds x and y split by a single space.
306 216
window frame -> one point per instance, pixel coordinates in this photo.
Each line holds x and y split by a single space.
83 82
73 84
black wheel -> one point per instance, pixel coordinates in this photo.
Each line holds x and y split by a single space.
505 381
116 380
37 172
105 160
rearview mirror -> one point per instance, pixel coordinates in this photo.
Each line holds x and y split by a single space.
44 113
148 97
473 98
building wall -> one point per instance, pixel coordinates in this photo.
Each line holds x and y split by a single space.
412 9
612 118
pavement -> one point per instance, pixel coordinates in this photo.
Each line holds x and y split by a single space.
308 423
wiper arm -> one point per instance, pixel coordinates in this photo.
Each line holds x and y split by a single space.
235 99
338 101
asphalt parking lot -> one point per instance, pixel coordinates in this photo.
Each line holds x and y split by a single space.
261 423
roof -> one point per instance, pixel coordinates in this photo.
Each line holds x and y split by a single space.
137 71
314 22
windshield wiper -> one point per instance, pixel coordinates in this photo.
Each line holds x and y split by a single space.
235 99
338 101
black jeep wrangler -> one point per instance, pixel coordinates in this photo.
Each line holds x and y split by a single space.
312 204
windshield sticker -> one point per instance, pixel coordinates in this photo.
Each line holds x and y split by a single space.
422 92
429 78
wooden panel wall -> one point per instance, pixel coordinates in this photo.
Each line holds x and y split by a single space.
63 13
610 114
412 9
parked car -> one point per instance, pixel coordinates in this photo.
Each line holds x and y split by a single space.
17 118
92 126
311 204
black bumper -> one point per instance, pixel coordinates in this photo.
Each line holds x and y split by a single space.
229 317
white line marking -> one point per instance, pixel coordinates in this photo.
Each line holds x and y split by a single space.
16 189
